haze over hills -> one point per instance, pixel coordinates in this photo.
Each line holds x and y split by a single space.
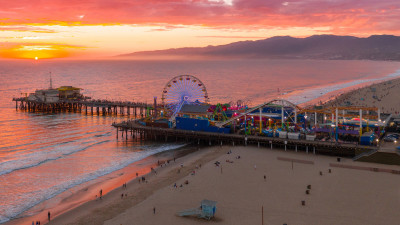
376 47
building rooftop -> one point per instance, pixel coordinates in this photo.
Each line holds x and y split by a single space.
195 109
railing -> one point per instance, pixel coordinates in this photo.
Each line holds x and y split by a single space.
364 154
97 103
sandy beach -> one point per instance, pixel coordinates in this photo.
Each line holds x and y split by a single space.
384 95
112 204
344 196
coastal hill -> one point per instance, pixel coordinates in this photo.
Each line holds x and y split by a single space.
376 47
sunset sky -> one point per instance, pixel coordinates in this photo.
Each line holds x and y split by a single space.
101 28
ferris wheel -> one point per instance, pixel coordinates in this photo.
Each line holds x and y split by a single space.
183 89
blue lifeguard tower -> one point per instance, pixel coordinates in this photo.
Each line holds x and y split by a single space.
206 210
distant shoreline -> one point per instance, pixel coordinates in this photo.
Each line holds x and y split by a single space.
160 57
330 47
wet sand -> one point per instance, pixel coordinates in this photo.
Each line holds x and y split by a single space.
111 205
87 192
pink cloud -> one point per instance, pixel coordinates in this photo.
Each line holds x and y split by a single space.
340 15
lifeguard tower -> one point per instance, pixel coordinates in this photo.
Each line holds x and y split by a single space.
207 210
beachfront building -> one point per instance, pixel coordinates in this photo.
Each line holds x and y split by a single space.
194 111
54 95
45 96
69 92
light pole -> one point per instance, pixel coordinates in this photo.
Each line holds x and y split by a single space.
305 122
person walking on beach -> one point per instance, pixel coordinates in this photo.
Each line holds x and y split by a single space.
48 215
101 193
154 210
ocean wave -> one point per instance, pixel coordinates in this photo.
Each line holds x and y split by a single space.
44 140
43 195
28 163
103 135
3 219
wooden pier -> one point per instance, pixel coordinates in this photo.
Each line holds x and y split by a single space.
89 107
207 138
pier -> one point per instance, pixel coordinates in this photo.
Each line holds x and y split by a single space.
137 130
89 107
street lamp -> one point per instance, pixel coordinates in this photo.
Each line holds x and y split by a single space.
333 127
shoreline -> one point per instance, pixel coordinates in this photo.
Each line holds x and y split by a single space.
86 192
382 94
136 191
335 93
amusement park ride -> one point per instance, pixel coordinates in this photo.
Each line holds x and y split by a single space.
186 106
180 90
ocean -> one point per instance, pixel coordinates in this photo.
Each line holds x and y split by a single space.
50 156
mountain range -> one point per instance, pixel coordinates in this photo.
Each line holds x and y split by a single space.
376 47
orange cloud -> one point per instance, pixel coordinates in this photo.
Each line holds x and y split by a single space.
39 51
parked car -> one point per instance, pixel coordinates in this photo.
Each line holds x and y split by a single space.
394 135
389 139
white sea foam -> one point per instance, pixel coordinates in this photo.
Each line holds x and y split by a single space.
37 157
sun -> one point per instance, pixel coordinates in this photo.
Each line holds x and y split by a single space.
38 51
